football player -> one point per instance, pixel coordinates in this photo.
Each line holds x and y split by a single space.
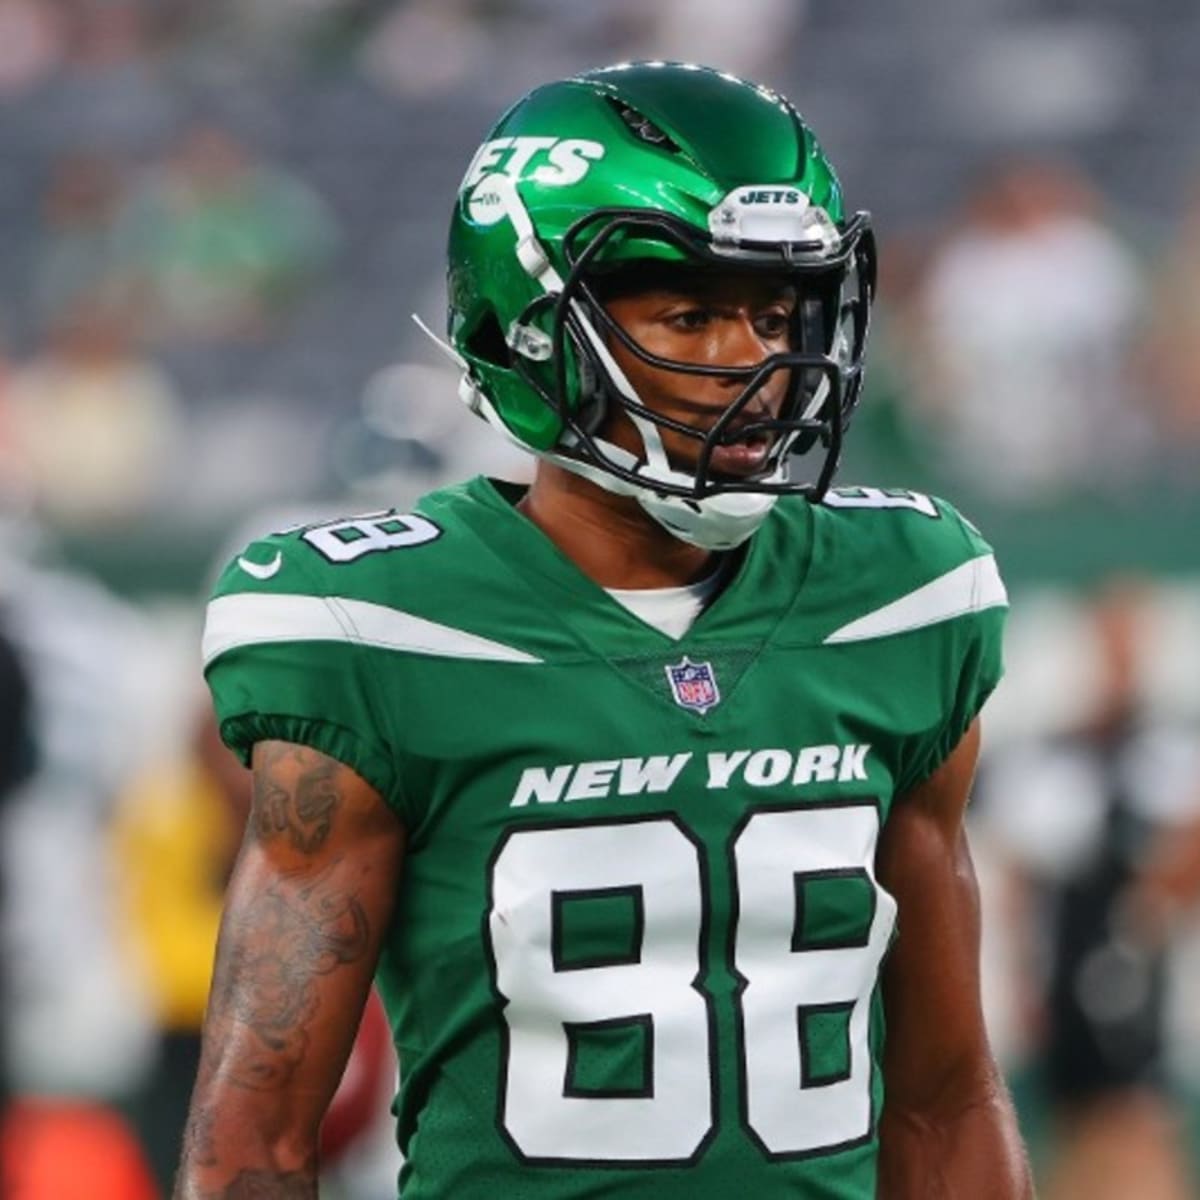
639 790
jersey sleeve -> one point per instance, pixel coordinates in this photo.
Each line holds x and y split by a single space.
283 661
973 656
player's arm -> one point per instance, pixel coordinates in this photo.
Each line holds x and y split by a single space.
307 906
948 1128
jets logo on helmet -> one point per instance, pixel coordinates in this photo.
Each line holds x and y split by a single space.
670 164
549 161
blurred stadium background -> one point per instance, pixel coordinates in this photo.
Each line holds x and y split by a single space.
215 220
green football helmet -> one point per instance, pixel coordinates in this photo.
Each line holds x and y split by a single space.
667 163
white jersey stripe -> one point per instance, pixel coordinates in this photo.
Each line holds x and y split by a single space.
969 588
253 619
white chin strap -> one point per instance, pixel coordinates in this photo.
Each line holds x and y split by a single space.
714 523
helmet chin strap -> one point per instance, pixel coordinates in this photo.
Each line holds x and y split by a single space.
720 522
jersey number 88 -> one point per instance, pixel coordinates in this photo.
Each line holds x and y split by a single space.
641 1011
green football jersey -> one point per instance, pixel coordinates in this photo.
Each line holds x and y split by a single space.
638 934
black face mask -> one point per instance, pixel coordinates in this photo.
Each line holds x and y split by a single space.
834 295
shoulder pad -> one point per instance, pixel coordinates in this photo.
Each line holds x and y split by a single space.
928 530
893 560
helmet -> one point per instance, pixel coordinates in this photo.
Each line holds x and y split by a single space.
661 163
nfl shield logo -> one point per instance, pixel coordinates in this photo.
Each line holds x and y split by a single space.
693 685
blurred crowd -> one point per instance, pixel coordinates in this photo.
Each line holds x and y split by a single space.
215 226
216 218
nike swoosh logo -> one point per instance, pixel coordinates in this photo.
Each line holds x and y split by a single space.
262 570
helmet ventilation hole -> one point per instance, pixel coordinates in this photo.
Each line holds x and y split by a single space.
487 342
642 127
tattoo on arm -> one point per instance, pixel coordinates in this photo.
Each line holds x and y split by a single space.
299 804
267 971
309 899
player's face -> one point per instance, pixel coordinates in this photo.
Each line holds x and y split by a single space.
728 320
